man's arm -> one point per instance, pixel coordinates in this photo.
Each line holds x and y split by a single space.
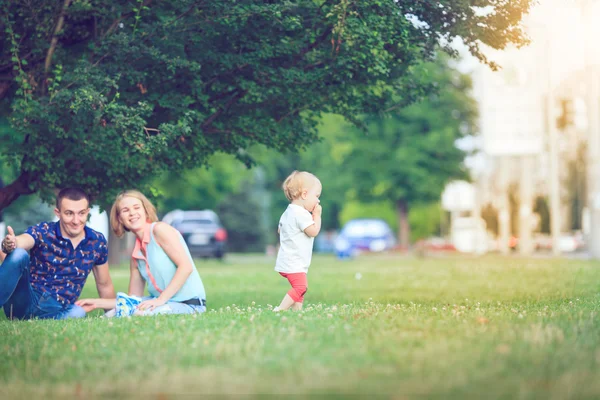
11 242
104 283
25 241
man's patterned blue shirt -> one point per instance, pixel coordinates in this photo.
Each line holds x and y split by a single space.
56 267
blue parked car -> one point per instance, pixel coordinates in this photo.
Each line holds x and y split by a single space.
365 234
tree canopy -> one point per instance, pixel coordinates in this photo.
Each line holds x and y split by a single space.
108 94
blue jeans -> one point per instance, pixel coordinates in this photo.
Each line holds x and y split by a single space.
174 307
21 301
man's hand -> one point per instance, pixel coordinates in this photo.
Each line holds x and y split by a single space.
317 211
151 304
10 241
87 304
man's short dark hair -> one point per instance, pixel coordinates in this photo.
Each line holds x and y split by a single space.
71 193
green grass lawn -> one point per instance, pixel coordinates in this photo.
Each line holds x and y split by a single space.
436 327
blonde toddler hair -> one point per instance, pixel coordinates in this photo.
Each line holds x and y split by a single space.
115 224
296 183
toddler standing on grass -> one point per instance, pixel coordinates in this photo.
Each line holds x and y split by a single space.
297 230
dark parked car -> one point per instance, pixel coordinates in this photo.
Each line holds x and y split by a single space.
366 234
201 230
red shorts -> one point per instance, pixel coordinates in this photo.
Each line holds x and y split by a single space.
299 285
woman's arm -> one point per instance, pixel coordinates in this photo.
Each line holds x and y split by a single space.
136 281
167 238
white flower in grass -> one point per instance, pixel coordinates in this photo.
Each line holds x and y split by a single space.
433 309
358 276
228 308
253 303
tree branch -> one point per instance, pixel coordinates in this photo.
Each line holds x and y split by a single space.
224 74
19 187
54 42
183 14
117 21
222 95
223 108
292 112
4 85
318 41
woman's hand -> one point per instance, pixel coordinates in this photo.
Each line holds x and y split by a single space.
151 304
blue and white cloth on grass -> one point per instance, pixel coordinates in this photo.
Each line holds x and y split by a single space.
126 305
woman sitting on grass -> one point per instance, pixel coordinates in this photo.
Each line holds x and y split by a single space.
160 259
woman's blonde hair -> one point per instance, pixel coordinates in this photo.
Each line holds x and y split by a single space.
296 183
115 224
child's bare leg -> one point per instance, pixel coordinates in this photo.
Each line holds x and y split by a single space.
297 306
286 303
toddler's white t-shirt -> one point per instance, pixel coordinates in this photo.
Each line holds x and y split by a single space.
295 249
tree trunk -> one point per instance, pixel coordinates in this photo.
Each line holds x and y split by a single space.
19 187
403 225
119 249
